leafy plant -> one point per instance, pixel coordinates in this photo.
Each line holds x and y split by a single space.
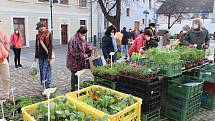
107 101
61 110
107 70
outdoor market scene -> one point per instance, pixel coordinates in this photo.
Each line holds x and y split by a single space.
107 60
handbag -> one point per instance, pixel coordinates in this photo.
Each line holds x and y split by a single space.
11 46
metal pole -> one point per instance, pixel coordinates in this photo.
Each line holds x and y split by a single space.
51 8
145 20
91 20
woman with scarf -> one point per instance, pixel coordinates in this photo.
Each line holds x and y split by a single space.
16 41
78 55
44 53
198 35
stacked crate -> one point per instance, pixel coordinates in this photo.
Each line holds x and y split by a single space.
207 73
148 91
183 98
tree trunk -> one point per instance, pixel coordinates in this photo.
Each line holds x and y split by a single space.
115 20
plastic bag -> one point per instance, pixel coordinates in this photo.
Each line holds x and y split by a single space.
33 69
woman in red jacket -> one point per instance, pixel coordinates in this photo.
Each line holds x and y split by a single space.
138 45
16 41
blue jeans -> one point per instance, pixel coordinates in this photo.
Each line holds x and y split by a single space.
45 71
124 49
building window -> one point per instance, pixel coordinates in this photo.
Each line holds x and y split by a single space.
45 21
150 4
83 3
127 12
66 2
83 23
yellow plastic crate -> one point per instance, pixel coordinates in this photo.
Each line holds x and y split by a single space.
131 113
27 117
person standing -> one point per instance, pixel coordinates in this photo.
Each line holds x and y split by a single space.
130 36
198 35
4 66
124 44
78 55
166 38
108 44
16 41
43 53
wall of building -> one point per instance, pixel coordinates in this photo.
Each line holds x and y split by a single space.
32 11
177 27
136 13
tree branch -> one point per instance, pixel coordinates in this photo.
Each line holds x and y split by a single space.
111 8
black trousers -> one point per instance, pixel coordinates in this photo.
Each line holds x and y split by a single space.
74 81
17 53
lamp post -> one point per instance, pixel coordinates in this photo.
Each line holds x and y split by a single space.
145 12
51 12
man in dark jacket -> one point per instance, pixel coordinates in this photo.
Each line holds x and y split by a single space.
198 35
153 42
124 44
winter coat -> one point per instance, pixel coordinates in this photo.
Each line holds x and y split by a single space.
107 46
16 40
166 39
4 52
77 48
198 37
125 37
139 43
40 52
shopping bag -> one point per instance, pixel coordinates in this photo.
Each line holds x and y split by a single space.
33 69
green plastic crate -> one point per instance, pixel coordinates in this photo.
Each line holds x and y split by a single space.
176 114
153 116
208 101
106 82
184 104
207 73
178 88
171 70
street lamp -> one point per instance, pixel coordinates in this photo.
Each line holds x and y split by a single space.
145 12
51 12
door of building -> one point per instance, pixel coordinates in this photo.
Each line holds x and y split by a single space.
20 24
64 34
137 25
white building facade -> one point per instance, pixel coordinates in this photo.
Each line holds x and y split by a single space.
68 16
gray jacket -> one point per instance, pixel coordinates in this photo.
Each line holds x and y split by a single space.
166 39
196 37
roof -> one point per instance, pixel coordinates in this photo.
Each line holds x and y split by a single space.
187 6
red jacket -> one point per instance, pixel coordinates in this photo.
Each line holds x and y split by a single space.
16 40
137 45
4 52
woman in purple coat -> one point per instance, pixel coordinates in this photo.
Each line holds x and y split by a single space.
77 55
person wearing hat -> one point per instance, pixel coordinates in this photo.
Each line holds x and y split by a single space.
43 53
16 41
4 66
197 35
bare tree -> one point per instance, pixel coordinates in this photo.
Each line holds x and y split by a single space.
172 9
112 11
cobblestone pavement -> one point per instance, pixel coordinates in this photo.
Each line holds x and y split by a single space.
26 84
